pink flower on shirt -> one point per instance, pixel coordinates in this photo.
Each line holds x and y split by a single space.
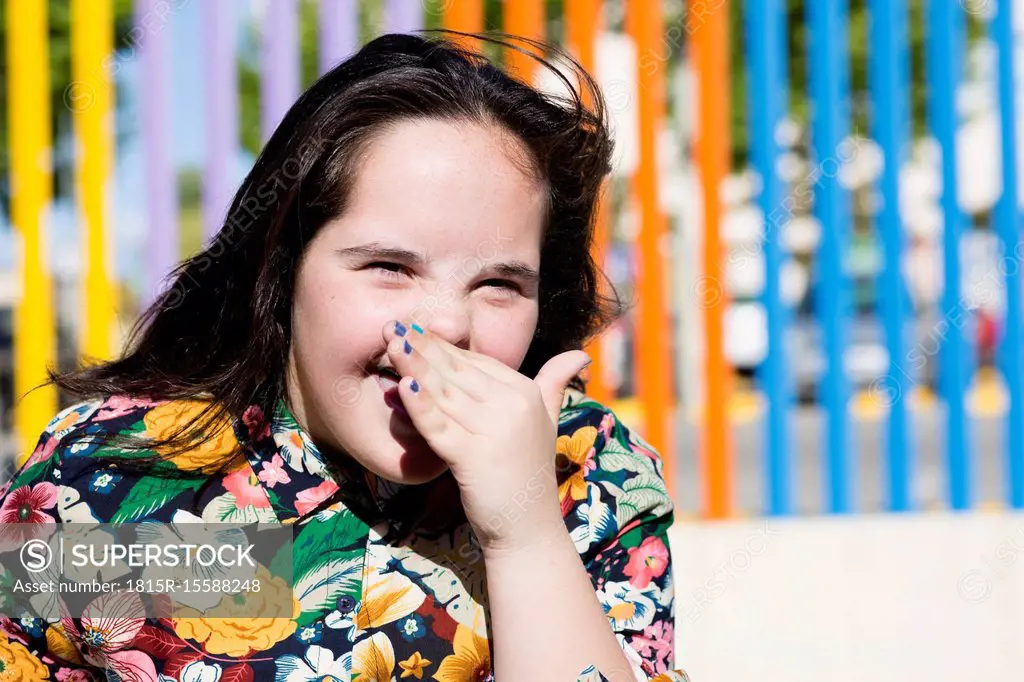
273 472
309 499
120 405
655 643
23 514
247 489
646 562
255 421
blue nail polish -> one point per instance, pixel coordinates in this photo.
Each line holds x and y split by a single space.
418 329
407 348
414 386
400 329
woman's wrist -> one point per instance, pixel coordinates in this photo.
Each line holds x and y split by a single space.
536 532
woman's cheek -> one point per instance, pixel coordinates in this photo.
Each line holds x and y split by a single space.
506 335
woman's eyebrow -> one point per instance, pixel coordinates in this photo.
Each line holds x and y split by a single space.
376 251
514 270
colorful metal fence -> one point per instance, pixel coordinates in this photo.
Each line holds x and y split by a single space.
706 26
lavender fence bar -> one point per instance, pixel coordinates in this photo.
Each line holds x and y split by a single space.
280 63
403 16
339 31
219 45
161 187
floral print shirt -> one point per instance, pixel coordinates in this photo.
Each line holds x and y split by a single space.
385 586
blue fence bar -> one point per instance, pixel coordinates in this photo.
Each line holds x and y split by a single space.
221 104
339 31
944 37
1008 228
162 251
279 66
766 57
890 126
827 28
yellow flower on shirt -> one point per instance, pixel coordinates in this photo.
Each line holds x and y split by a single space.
471 660
58 644
18 665
413 666
373 659
234 626
167 420
576 449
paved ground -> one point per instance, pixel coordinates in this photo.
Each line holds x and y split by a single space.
885 598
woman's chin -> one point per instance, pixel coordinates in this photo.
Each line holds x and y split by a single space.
411 461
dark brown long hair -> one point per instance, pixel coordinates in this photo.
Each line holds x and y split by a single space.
222 326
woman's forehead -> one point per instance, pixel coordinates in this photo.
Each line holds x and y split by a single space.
432 158
444 187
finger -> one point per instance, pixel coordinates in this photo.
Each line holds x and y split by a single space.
491 366
442 433
447 394
427 354
554 377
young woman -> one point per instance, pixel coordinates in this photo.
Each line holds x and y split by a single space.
380 349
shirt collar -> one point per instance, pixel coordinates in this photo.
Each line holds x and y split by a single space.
299 479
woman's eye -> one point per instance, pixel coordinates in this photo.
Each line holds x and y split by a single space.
388 270
509 287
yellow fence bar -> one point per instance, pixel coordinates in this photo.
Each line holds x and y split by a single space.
28 109
91 102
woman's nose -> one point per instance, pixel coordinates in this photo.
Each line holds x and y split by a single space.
450 321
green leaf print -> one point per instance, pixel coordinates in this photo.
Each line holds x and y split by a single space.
614 456
40 471
152 493
642 496
318 590
318 541
568 414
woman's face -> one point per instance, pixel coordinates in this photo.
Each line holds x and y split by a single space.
443 228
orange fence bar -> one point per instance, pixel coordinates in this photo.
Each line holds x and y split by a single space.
653 360
710 46
523 18
466 16
582 22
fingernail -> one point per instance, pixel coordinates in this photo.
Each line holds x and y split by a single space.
407 348
400 329
414 386
416 328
